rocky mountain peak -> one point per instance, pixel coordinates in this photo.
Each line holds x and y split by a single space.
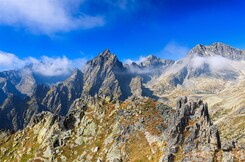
198 49
151 57
101 75
217 49
106 52
107 55
104 58
152 60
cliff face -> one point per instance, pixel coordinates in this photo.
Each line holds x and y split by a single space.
60 97
101 76
136 129
191 134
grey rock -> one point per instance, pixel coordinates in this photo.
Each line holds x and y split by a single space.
219 49
154 61
136 86
201 135
101 76
228 145
61 96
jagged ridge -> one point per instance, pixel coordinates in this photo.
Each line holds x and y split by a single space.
136 129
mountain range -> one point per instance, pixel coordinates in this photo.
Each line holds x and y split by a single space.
110 111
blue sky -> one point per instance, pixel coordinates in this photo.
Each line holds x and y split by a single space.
80 29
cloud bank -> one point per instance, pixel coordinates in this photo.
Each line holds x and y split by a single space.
138 61
135 66
47 16
216 64
46 66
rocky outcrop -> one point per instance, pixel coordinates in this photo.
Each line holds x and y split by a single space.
101 76
20 83
9 88
60 97
137 129
15 112
12 113
191 134
136 86
27 82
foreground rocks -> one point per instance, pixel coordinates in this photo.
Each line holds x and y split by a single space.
138 129
191 133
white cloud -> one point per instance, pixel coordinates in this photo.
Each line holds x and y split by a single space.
10 61
216 64
46 16
139 69
55 66
46 66
138 61
173 50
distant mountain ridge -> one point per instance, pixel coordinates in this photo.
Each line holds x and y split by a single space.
106 76
215 62
219 49
110 111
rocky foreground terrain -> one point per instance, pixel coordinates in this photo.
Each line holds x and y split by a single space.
138 129
110 111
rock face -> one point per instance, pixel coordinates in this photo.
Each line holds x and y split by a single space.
27 82
135 85
191 133
21 94
60 97
219 49
15 108
154 62
20 82
101 76
15 112
8 85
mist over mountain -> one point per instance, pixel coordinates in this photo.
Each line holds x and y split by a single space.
130 99
106 76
